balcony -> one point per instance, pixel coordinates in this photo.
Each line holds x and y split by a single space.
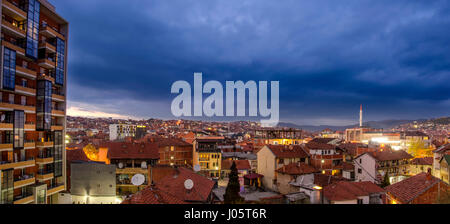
50 32
44 144
29 145
25 72
44 176
19 50
13 11
24 199
17 165
44 160
55 189
12 106
6 126
4 146
57 127
49 47
43 76
58 98
13 30
24 181
30 127
25 90
58 113
47 63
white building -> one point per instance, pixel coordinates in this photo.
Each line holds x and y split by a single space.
121 131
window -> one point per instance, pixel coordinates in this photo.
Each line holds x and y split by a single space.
359 171
360 201
60 54
9 69
23 100
34 8
11 98
19 123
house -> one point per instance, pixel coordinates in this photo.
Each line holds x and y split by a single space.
419 165
312 184
422 188
438 154
131 159
273 157
289 173
345 192
372 166
243 167
445 168
324 156
171 190
207 155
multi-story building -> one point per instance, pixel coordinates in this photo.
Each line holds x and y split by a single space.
174 152
121 131
32 102
208 155
278 136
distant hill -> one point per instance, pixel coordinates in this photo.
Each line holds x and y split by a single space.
386 124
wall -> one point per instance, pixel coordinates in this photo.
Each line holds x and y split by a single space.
266 167
367 166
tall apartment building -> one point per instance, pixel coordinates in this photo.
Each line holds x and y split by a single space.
121 131
32 102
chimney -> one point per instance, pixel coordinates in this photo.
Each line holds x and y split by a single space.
429 174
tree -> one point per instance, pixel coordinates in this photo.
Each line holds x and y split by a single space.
233 188
386 181
417 148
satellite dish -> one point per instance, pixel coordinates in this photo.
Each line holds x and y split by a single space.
197 168
138 179
188 184
144 165
120 165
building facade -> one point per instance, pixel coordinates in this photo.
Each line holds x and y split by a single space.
208 155
33 87
121 131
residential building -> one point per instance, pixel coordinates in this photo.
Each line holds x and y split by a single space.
345 192
171 190
278 136
207 155
273 157
324 156
289 173
372 166
445 168
174 152
132 159
312 185
422 188
438 154
420 165
32 102
121 131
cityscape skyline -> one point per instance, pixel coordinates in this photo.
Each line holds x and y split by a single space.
328 60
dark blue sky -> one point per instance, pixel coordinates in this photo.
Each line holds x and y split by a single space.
329 56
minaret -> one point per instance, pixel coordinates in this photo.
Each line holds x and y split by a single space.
360 117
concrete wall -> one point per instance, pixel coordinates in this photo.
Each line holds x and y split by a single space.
266 167
367 165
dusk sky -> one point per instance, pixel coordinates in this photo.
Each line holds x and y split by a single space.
329 56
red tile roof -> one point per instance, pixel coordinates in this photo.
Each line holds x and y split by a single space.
240 164
319 145
291 151
174 184
325 180
153 195
343 190
76 155
422 161
128 150
387 155
297 169
409 189
322 140
443 148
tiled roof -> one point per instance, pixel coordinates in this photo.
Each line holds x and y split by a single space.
343 190
153 195
297 169
322 140
240 164
291 151
128 150
174 184
76 155
446 158
325 180
409 189
422 161
387 155
351 148
318 145
345 166
162 142
443 148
